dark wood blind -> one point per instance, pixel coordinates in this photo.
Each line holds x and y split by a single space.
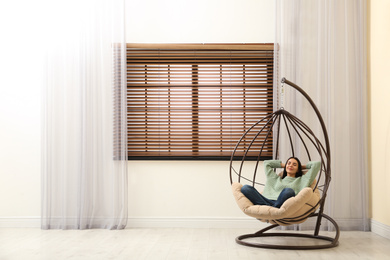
195 101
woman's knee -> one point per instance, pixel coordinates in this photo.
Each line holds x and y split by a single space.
246 189
288 192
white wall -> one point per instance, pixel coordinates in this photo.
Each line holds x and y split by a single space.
20 114
201 21
379 62
190 189
178 189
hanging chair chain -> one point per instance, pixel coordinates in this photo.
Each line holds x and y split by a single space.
282 96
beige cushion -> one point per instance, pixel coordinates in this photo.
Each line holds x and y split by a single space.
291 208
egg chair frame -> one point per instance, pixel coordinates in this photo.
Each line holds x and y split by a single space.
292 124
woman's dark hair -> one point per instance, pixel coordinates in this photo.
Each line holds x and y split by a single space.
299 171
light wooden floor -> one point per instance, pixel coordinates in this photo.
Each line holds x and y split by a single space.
175 243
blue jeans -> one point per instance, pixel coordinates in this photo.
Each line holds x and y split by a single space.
257 199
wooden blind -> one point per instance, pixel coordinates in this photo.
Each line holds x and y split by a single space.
196 101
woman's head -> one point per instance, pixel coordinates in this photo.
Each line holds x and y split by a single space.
293 168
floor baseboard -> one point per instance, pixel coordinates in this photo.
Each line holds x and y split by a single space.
380 229
20 222
195 223
35 222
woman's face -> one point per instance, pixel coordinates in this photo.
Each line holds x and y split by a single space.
291 167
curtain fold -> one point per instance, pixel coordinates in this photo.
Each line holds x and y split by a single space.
84 160
322 48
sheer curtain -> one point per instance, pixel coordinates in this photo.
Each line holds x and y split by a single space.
84 178
322 48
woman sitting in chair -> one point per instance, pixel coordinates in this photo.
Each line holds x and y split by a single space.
278 189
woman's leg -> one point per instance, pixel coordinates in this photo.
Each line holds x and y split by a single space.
283 196
255 197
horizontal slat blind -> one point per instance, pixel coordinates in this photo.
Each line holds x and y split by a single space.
196 102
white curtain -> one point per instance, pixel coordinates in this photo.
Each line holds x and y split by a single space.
84 164
322 48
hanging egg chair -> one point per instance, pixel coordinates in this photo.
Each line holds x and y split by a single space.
308 203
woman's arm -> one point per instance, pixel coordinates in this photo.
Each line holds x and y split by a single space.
314 168
269 165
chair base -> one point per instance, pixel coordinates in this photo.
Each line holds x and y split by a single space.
333 242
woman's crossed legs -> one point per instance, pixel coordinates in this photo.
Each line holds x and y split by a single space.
257 199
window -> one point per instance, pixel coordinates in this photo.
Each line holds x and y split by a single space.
195 101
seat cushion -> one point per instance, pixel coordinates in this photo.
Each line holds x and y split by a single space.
298 207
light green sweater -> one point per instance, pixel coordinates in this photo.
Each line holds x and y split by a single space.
275 184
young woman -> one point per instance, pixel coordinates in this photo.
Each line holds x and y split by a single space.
278 189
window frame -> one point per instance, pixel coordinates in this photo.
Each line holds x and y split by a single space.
268 48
